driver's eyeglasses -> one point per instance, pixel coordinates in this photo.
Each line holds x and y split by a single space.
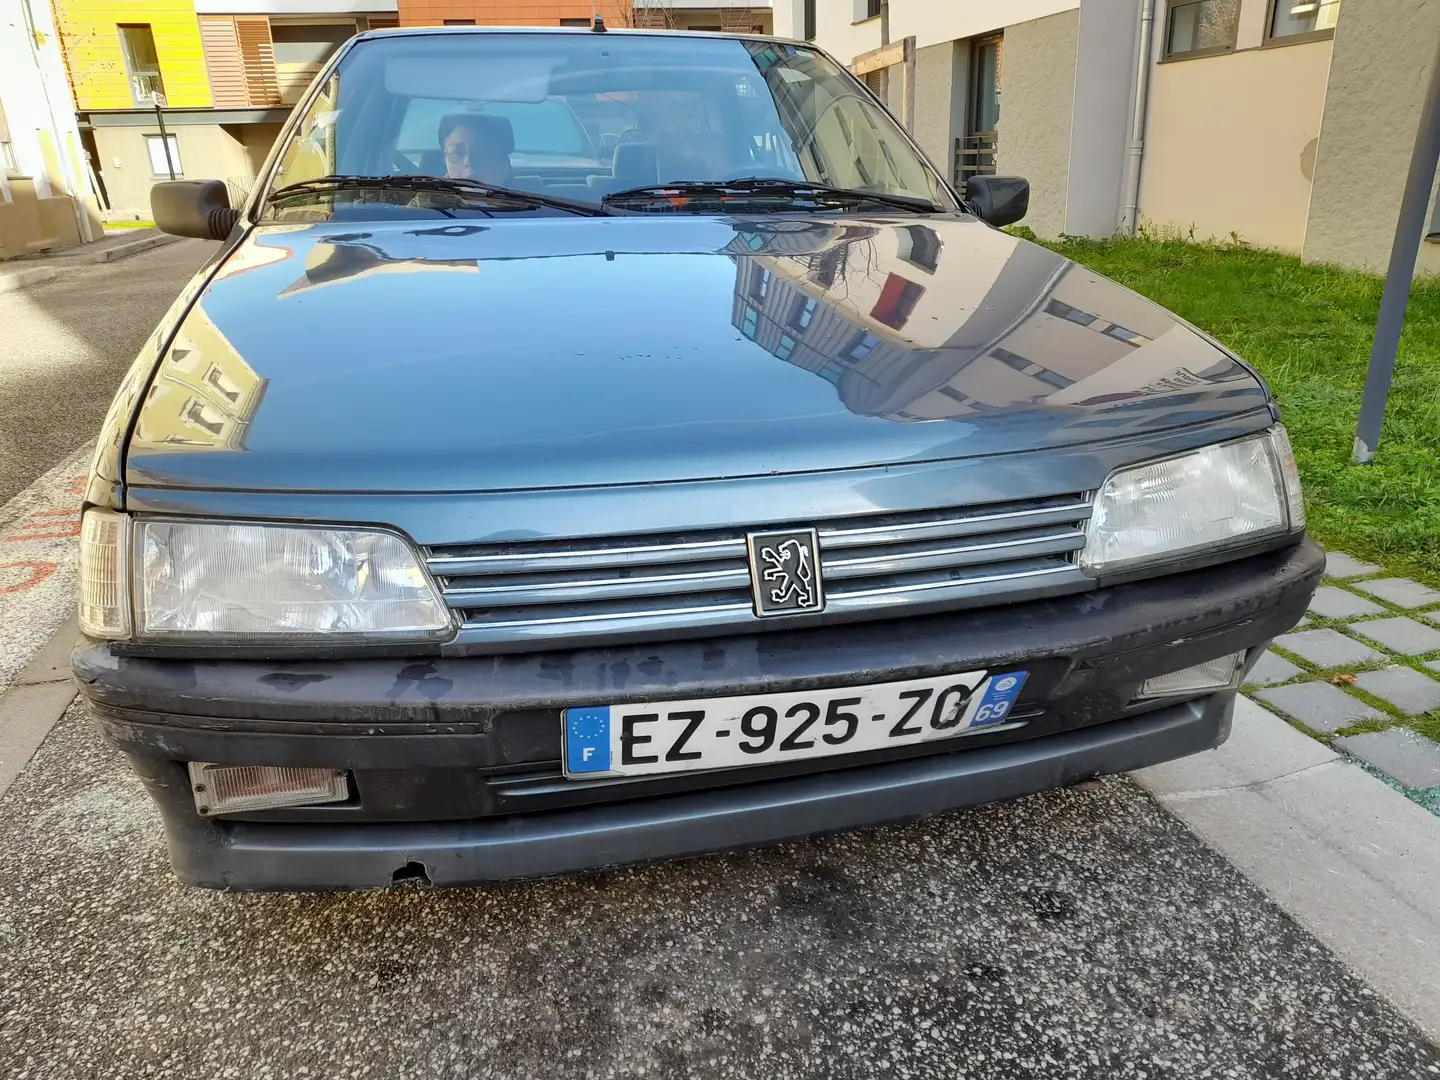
457 153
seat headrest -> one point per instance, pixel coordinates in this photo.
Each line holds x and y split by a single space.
495 131
636 164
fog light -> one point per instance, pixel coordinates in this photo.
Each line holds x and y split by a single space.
231 789
1222 673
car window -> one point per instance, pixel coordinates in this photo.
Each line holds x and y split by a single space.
585 115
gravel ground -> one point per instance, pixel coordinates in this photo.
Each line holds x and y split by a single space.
67 342
1082 933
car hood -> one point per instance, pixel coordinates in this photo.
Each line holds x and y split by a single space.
559 352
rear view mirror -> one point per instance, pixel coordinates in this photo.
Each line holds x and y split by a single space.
198 208
1000 200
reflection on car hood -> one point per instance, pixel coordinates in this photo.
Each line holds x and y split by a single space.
555 352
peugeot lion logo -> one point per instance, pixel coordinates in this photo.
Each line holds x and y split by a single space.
785 572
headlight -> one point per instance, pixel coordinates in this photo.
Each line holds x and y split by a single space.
1212 498
247 583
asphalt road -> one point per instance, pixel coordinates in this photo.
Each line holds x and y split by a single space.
1083 933
67 342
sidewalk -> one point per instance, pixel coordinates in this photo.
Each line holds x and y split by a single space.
1320 795
1362 674
119 244
1353 861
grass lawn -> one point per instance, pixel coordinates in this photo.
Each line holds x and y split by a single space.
1308 330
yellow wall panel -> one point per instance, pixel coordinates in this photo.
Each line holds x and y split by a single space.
90 36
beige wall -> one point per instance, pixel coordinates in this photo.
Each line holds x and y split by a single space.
207 152
29 223
1230 143
1035 113
1383 53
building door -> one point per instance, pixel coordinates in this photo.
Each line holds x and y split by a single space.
975 153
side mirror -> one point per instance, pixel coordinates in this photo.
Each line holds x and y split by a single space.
198 208
1000 200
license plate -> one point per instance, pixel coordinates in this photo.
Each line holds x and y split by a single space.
758 729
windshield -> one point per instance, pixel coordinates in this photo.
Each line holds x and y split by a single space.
581 116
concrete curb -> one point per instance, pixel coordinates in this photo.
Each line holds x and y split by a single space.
35 702
134 247
1352 860
19 279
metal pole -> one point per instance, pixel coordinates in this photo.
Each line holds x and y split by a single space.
1408 231
164 141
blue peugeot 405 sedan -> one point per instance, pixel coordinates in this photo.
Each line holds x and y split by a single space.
587 448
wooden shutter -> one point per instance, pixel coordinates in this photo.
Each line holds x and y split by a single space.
222 59
736 20
257 54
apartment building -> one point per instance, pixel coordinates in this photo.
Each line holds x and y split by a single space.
43 191
224 71
1283 123
752 17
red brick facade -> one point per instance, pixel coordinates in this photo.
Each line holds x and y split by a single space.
504 12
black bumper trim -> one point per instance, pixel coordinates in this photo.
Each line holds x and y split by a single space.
246 856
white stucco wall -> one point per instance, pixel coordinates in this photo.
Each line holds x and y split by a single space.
1106 56
37 99
929 21
933 21
1035 113
1383 52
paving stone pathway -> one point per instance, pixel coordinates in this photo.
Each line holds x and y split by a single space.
1362 673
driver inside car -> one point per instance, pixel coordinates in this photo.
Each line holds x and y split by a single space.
478 147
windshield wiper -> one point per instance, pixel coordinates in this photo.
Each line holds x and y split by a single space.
452 184
763 187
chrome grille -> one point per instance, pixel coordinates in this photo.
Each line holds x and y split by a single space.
537 594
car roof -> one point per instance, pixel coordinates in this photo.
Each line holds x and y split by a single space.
421 31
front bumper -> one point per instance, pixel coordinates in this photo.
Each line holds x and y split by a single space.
456 762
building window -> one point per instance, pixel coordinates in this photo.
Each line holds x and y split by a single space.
861 346
759 283
1296 18
459 22
1201 27
809 27
804 312
308 43
787 346
866 9
142 63
749 323
897 301
924 247
1130 337
1062 310
156 149
574 22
